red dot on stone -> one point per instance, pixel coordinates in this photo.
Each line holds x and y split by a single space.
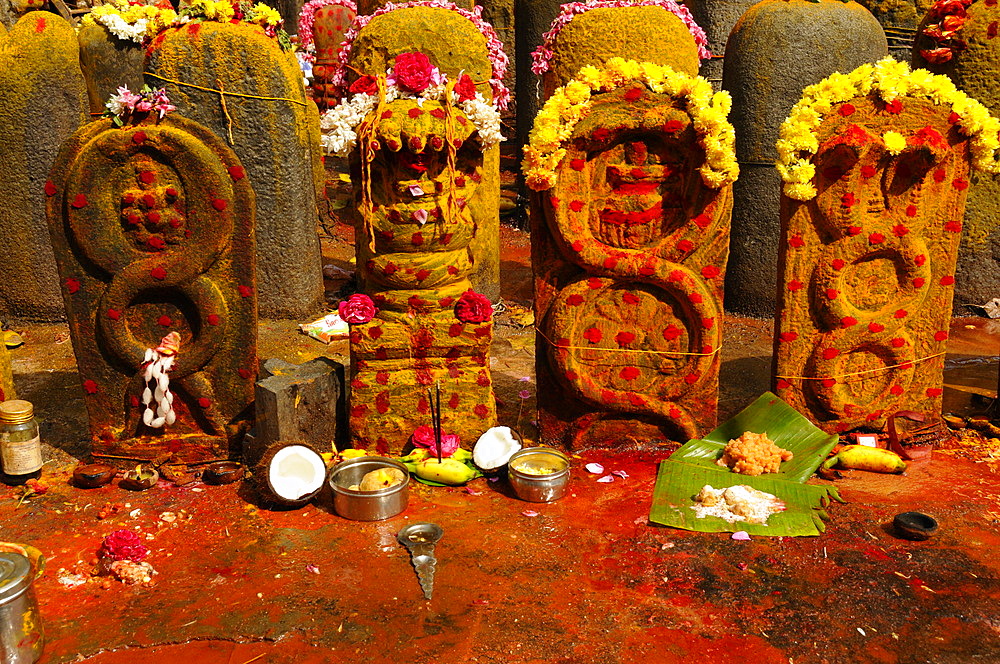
848 321
691 378
213 319
846 110
702 220
164 321
576 206
79 201
794 285
481 411
630 298
875 328
114 314
134 401
610 262
672 332
796 241
900 313
947 280
219 204
593 335
50 188
788 336
934 392
243 372
148 200
593 283
830 353
577 246
139 137
204 403
876 238
868 172
685 245
147 177
837 264
624 338
171 192
900 230
960 184
897 342
708 323
854 230
158 273
629 373
939 175
848 200
896 390
783 384
72 285
918 282
245 291
911 210
941 335
710 271
574 300
133 219
832 293
577 164
829 382
237 172
90 386
417 239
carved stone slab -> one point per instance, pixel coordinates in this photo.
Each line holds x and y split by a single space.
153 232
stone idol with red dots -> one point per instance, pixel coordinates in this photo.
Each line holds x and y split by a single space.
152 226
629 253
961 40
869 244
424 185
322 27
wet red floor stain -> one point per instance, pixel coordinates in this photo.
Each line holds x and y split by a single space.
586 580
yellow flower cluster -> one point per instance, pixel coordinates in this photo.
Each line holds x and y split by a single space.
889 80
211 10
149 19
264 15
555 123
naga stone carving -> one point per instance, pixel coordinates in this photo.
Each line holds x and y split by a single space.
153 230
630 233
43 100
322 27
876 167
423 149
272 127
774 51
962 41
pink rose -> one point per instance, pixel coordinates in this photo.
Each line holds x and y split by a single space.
413 71
473 307
423 436
123 545
465 88
365 84
357 309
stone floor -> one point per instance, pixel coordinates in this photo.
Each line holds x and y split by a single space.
583 580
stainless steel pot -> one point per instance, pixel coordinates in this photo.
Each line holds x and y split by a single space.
21 638
535 487
367 505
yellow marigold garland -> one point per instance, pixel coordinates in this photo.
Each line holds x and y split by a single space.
569 104
889 80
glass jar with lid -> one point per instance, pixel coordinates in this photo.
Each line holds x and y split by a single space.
20 442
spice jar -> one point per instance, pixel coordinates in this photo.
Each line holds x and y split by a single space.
20 443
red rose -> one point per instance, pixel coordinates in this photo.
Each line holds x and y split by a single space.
465 88
423 436
365 84
473 307
123 545
413 71
357 309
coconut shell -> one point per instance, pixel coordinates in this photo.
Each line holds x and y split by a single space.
261 475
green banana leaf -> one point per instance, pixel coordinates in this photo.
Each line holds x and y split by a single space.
788 428
678 483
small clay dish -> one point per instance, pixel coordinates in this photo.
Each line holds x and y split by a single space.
92 475
139 480
222 472
915 525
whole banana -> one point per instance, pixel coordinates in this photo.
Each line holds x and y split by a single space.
862 457
446 471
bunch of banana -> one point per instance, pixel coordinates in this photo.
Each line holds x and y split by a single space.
862 457
453 471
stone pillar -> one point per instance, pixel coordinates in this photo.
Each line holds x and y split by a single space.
717 18
108 63
868 252
977 278
899 19
152 226
629 253
43 99
427 190
775 50
330 21
274 140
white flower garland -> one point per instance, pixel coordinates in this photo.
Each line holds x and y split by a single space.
340 122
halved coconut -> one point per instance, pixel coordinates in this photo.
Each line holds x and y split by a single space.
290 473
494 448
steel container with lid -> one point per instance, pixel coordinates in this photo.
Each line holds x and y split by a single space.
21 638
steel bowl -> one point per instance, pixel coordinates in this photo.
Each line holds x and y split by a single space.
367 505
536 488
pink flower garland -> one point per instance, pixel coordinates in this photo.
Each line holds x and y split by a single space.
308 16
498 58
540 58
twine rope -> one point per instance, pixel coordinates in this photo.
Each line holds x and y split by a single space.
908 363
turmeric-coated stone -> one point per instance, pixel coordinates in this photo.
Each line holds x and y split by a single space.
108 63
775 50
43 100
966 47
630 233
274 139
875 189
6 377
424 165
153 230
